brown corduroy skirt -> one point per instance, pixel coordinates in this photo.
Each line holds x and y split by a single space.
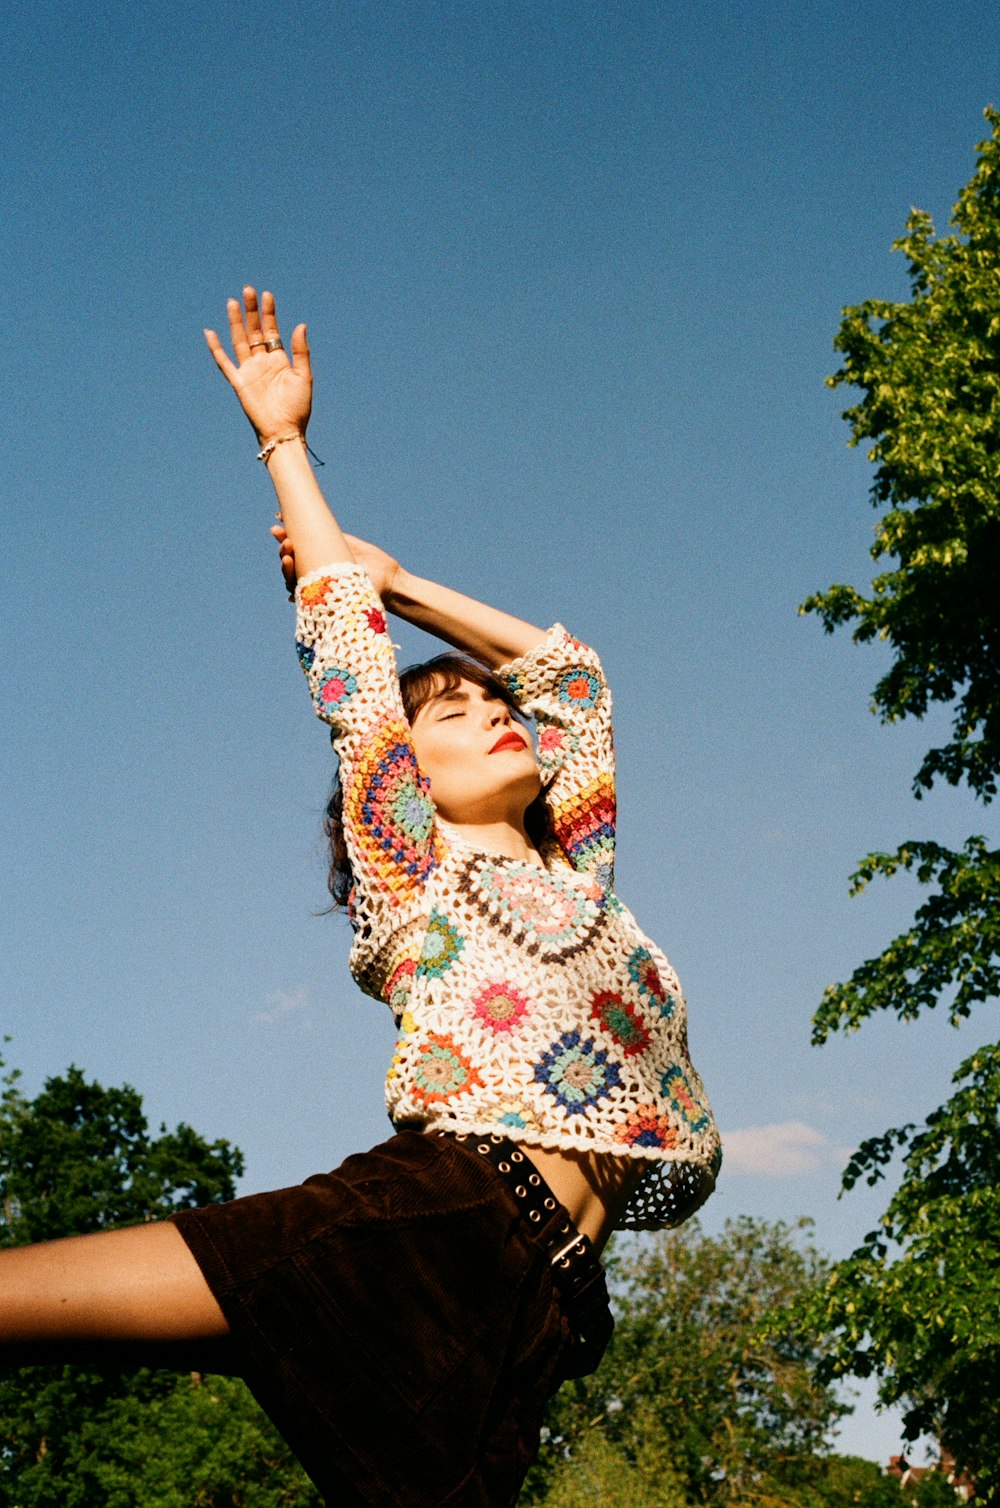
397 1320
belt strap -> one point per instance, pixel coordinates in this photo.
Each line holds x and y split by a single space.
575 1264
576 1270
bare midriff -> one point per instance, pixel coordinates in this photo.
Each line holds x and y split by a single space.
595 1187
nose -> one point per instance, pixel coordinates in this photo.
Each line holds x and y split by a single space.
498 713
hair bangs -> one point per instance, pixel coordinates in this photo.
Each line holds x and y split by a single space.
421 684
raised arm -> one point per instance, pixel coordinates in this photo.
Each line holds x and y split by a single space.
487 634
276 396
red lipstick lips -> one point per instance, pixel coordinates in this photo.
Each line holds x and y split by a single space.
509 740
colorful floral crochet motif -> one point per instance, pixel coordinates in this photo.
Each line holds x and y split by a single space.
643 971
577 1073
621 1021
442 1071
500 1007
645 1128
398 992
526 996
442 945
387 810
335 686
579 688
684 1098
514 1115
548 915
555 745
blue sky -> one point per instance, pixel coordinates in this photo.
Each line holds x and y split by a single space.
572 274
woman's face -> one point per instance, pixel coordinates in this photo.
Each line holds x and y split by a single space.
477 756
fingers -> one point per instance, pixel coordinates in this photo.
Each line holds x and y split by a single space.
237 330
286 557
262 324
256 336
268 318
253 329
300 352
222 361
245 328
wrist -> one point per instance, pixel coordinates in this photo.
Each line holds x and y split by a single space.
269 442
398 590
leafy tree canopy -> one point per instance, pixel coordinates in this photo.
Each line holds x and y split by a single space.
81 1158
693 1399
918 1304
929 370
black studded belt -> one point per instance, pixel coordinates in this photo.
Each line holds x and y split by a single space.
576 1269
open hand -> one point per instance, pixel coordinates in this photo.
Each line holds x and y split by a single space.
276 393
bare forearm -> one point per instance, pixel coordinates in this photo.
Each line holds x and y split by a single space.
491 636
312 529
276 396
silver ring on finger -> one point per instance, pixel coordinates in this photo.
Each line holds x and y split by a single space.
274 344
255 343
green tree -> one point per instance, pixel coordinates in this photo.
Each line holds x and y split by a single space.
841 1481
918 1304
601 1474
80 1158
692 1395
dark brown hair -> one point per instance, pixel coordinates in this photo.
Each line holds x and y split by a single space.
419 684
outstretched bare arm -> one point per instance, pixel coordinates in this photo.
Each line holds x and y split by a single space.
486 633
276 396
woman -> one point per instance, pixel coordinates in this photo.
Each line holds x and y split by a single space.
405 1318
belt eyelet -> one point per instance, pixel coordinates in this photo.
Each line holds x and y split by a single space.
503 1167
521 1191
534 1180
535 1215
517 1157
483 1148
549 1202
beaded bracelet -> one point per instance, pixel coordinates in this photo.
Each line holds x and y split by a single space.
265 454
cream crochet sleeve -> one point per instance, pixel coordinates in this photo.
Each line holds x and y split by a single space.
561 684
344 647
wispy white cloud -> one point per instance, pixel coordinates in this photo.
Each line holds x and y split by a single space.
282 1003
787 1149
834 1107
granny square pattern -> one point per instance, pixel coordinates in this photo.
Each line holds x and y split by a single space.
525 995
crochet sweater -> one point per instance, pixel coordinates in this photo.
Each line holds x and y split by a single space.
527 999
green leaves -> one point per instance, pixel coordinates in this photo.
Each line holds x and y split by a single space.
929 372
80 1158
918 1303
697 1394
951 952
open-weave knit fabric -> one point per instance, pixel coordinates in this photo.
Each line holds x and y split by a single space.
526 997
